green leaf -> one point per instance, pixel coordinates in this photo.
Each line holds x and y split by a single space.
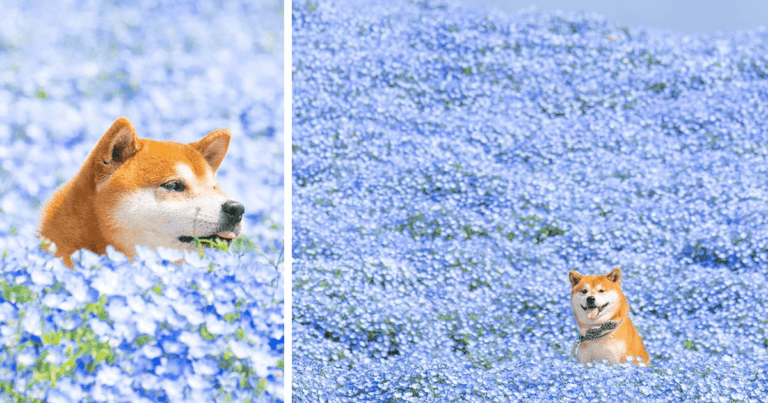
142 340
17 293
159 287
261 387
97 308
205 333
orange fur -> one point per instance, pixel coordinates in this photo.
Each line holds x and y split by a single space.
622 341
79 215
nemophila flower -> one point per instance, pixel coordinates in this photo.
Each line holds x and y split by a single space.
65 391
114 329
451 166
8 312
27 357
198 345
31 323
151 352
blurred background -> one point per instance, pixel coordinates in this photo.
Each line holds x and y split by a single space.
682 16
177 69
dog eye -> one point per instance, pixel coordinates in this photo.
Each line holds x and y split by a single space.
583 291
174 186
602 290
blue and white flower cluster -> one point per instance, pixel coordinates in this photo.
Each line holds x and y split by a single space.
451 166
210 329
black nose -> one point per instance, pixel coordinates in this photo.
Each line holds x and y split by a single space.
590 300
232 212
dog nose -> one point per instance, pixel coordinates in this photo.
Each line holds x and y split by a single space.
591 300
233 212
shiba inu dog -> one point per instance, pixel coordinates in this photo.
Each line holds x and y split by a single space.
134 191
605 330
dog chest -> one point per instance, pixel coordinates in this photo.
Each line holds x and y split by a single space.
596 350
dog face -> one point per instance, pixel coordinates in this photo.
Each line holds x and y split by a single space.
597 299
165 193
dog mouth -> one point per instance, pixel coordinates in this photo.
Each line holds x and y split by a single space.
224 236
593 311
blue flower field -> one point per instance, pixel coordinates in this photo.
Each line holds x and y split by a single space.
209 330
451 166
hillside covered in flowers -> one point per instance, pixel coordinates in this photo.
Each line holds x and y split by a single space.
451 166
209 330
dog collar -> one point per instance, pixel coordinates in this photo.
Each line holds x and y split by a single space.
596 332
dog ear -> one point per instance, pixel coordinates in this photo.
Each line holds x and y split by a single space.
116 145
574 277
615 275
213 147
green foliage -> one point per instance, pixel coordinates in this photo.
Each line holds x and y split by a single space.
243 244
205 333
218 243
231 317
158 288
228 362
16 293
6 387
143 339
87 345
97 308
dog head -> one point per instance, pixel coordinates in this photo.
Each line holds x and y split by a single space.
597 299
161 193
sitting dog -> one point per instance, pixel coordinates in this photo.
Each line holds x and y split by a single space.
134 191
605 330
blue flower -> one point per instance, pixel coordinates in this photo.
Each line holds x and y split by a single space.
450 167
217 326
197 345
27 357
108 282
32 320
171 255
41 277
151 352
8 313
205 367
